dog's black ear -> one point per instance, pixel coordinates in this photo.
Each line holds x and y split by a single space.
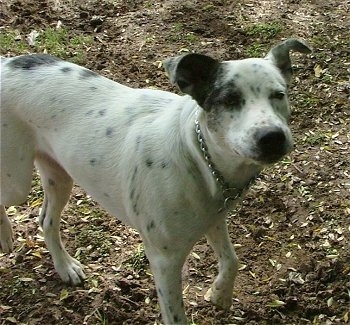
279 55
193 73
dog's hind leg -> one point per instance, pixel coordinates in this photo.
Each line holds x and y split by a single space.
16 171
222 287
6 235
57 186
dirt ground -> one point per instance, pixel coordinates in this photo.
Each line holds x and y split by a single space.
293 232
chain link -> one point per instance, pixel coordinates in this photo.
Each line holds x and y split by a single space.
229 193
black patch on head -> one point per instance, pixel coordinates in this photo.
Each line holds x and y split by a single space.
30 62
151 225
110 132
102 112
227 95
66 69
85 73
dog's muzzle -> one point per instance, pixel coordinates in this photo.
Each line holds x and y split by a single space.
272 144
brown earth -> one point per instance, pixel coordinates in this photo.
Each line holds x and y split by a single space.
292 234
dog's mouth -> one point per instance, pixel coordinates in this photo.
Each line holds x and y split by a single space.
269 160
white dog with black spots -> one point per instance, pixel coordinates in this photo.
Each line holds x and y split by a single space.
162 163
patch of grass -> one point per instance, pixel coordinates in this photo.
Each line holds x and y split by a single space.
12 41
92 242
54 41
190 37
254 50
265 30
316 138
138 261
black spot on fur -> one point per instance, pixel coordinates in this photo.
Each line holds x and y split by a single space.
53 116
165 247
176 318
30 62
106 194
85 73
110 132
138 142
8 175
102 112
149 162
88 113
132 113
133 177
237 76
132 193
66 69
150 226
93 162
51 222
135 209
164 164
51 182
4 125
93 88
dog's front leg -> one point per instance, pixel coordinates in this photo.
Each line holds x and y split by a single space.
222 288
57 186
166 268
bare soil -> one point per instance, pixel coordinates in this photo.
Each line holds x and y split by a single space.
292 233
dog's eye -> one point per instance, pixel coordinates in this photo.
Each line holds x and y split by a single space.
278 95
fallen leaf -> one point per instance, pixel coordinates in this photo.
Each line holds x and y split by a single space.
64 294
207 295
31 37
318 71
276 303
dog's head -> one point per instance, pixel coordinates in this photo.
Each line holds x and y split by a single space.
244 102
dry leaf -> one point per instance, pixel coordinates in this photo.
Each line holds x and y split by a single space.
318 71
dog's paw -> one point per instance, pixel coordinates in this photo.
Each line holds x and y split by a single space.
220 298
71 271
6 238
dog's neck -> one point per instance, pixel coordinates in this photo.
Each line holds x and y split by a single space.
232 189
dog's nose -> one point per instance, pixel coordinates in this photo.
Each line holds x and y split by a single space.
271 142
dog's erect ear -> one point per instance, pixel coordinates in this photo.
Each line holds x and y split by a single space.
279 55
193 73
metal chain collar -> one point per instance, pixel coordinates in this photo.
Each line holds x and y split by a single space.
229 193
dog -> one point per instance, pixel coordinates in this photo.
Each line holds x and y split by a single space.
165 164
